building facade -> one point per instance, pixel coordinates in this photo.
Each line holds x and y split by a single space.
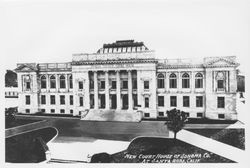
124 77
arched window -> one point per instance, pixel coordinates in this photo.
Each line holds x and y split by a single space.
70 82
220 77
185 80
43 82
160 81
52 82
172 81
198 80
62 81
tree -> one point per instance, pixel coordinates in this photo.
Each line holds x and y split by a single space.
176 120
10 79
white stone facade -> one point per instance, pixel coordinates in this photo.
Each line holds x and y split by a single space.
128 75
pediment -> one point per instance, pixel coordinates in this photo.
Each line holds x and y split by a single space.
25 68
221 62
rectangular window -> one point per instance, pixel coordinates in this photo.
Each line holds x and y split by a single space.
27 85
80 85
220 102
146 102
62 99
173 101
172 83
125 84
188 114
70 83
134 83
220 84
43 110
71 111
102 85
221 116
185 83
62 111
161 114
199 101
113 84
81 101
43 99
198 83
146 115
52 99
146 84
71 100
52 110
91 84
27 110
199 114
185 101
161 101
27 100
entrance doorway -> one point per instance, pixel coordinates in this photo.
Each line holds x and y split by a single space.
102 99
113 102
125 101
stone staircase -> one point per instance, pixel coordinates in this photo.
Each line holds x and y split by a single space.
113 115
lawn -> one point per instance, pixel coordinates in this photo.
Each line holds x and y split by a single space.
26 148
233 137
164 150
19 122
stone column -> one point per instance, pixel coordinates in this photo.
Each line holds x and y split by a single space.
118 91
95 90
107 90
130 91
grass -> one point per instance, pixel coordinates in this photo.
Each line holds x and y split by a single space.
233 137
18 122
25 148
164 150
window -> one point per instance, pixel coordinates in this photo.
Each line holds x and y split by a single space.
146 115
161 114
185 101
43 82
102 84
28 85
52 99
62 81
81 101
91 84
70 82
43 99
52 110
71 111
173 101
160 81
62 111
71 99
220 84
199 114
161 101
27 110
146 84
221 116
188 114
220 102
185 80
80 85
62 99
198 80
52 82
43 110
134 83
113 84
220 77
172 81
199 101
125 84
146 102
27 100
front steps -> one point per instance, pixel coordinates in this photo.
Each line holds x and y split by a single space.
113 115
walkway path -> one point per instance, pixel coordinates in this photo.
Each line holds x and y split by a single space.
211 145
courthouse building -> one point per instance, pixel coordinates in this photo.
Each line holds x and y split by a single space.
125 77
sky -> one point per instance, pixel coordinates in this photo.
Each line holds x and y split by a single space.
51 31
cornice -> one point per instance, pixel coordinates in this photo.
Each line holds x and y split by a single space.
97 62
